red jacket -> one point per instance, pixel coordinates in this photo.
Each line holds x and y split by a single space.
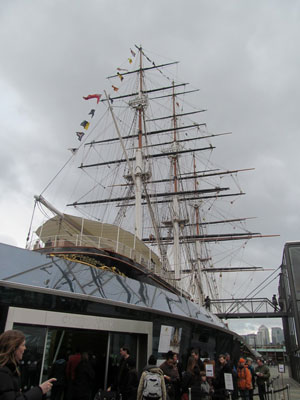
72 363
244 378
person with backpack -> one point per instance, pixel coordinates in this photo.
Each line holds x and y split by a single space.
152 383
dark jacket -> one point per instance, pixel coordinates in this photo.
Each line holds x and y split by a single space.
10 386
130 390
219 382
190 380
122 374
170 370
58 371
84 375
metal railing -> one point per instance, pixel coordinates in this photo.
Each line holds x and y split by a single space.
244 306
98 242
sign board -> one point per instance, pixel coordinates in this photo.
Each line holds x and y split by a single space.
281 368
209 370
228 381
169 339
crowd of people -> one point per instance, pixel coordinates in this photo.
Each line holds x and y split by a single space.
76 377
171 381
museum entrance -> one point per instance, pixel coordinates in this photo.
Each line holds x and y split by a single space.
47 345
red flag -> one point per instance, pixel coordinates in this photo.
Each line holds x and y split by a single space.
93 96
115 88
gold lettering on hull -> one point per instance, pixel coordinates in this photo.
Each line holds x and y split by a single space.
90 261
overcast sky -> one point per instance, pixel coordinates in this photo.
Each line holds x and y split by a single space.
243 55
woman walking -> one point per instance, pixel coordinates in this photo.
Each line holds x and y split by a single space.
12 347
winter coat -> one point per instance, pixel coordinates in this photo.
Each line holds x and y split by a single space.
58 371
251 369
10 386
190 380
244 378
72 363
170 370
130 390
156 370
84 375
205 391
122 374
263 369
173 385
219 381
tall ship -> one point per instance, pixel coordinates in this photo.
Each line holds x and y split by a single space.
135 252
150 202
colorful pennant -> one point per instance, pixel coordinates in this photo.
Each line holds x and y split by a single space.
85 124
93 96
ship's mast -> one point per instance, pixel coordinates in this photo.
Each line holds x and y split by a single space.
176 216
198 274
139 159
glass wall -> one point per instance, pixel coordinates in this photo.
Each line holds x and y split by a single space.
46 345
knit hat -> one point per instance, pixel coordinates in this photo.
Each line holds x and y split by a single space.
242 360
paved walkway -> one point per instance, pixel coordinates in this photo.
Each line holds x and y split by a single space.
281 380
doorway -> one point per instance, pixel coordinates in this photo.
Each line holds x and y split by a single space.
49 334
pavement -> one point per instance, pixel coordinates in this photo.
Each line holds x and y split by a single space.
280 381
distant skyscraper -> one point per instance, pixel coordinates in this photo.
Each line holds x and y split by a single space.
277 336
250 339
263 337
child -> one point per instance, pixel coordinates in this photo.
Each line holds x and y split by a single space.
206 389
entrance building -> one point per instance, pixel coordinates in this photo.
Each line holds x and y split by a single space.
64 306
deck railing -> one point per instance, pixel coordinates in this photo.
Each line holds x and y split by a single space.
96 242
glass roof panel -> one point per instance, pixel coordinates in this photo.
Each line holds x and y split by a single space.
34 269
